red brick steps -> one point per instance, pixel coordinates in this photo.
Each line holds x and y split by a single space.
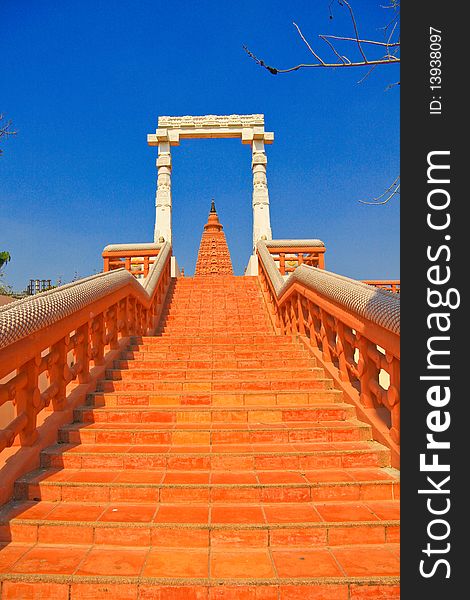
215 461
198 574
222 525
195 433
261 414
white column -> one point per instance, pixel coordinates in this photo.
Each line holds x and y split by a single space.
163 198
261 219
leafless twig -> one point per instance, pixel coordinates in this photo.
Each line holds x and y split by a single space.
307 44
5 129
344 61
390 192
350 39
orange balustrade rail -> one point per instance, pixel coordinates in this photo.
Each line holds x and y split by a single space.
354 331
391 285
289 254
55 346
135 258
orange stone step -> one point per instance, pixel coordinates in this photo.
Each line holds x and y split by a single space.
200 372
197 394
214 354
54 587
194 433
227 338
203 345
216 414
248 313
216 364
262 456
178 385
338 573
199 525
216 461
117 485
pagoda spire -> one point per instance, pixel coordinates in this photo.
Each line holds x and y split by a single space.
214 255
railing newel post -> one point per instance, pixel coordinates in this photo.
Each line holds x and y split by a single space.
367 372
81 353
28 400
97 341
57 369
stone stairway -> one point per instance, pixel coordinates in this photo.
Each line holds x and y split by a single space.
215 462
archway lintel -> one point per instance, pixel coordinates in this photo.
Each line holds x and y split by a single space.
246 127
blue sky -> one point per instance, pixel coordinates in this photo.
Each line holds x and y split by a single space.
85 81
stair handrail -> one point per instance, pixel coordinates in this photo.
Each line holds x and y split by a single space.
352 327
86 318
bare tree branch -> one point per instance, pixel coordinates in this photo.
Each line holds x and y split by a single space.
5 129
275 70
367 74
344 61
390 192
353 19
308 45
350 39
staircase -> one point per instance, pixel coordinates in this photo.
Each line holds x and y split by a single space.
215 462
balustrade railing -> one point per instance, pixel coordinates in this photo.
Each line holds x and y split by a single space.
353 328
289 254
135 258
52 342
390 285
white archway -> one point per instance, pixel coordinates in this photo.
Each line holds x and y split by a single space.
250 128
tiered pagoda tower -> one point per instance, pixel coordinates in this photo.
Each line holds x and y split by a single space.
214 256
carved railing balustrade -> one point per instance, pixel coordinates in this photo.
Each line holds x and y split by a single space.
354 331
135 258
58 341
289 254
390 285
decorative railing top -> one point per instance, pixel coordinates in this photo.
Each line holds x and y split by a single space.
294 243
277 280
156 270
132 247
23 317
211 121
28 315
376 305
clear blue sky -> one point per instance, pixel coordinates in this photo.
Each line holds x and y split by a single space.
85 81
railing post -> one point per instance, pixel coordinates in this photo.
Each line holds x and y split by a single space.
282 263
122 322
57 368
81 352
28 400
325 341
131 316
293 317
97 342
393 396
112 327
300 311
367 372
340 346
